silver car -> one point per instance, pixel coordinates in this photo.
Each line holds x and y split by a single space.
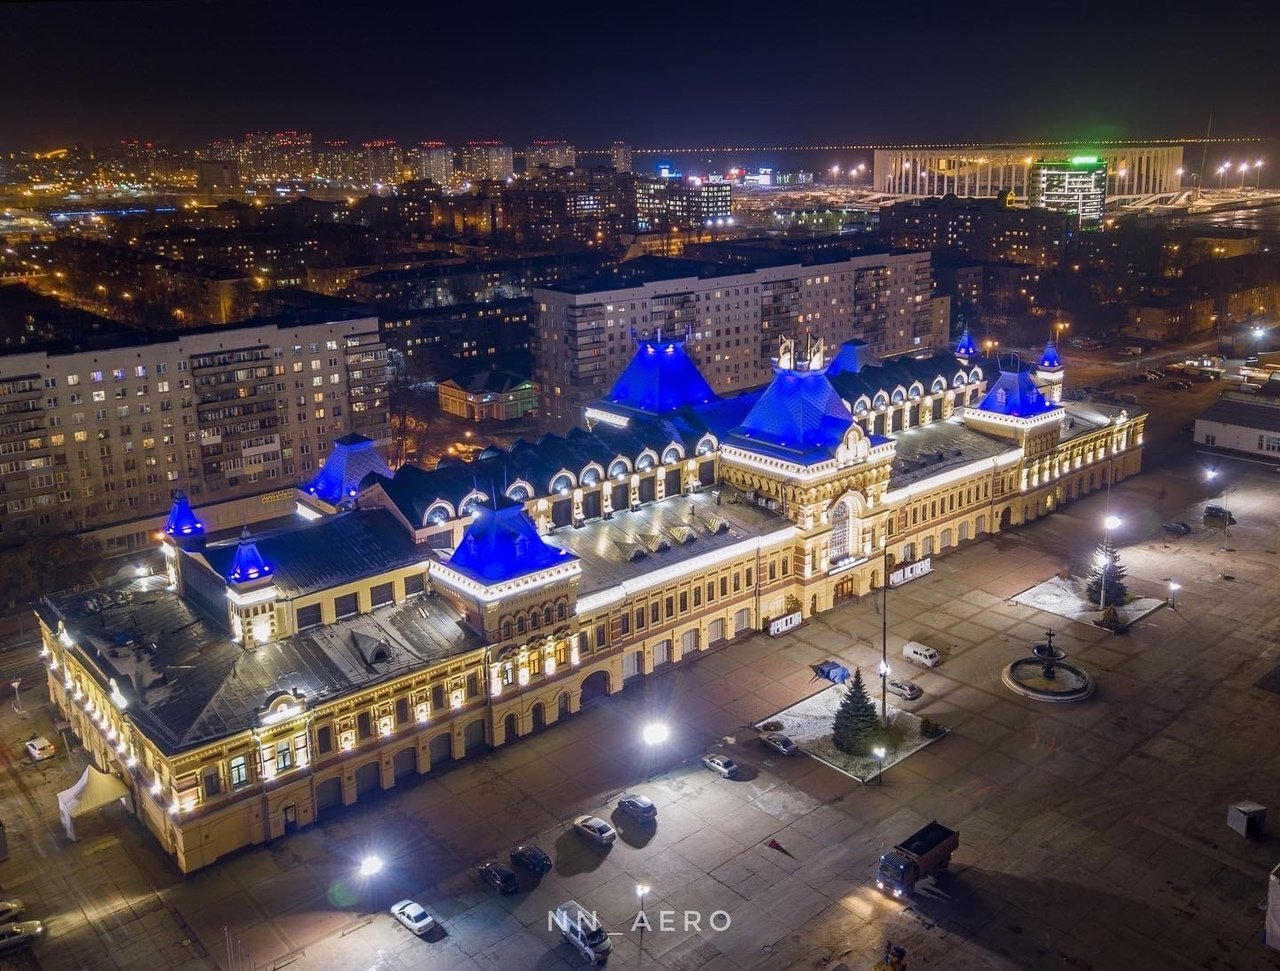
413 916
11 910
782 744
595 829
20 934
721 765
907 690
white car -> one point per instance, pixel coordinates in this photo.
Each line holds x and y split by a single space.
722 765
595 829
14 937
782 744
11 910
413 916
40 748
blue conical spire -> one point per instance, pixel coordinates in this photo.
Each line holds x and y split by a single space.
182 518
1050 358
966 347
248 564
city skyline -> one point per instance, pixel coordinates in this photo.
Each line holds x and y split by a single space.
592 80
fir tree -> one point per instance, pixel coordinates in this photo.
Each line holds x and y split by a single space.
856 722
1106 569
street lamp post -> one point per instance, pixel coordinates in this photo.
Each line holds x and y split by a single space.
1244 168
1174 587
884 631
879 753
1258 168
1222 174
1211 473
17 702
1108 524
642 891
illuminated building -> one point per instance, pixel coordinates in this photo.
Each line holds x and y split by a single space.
1077 187
981 229
549 154
620 156
736 315
99 437
488 396
340 162
986 171
486 160
432 161
384 166
421 617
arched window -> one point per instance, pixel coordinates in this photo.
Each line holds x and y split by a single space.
506 629
707 444
915 391
561 484
645 461
898 396
939 385
882 400
590 475
861 406
520 624
561 611
546 614
672 454
534 620
959 380
438 514
618 468
519 493
840 532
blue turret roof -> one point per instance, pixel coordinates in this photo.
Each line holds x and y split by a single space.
353 458
1016 395
502 543
1050 358
248 564
800 415
850 358
967 347
182 518
660 379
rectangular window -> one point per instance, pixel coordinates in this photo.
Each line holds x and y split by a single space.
414 584
473 685
437 697
346 606
626 623
309 617
239 772
640 622
600 635
380 594
324 739
671 607
212 782
402 711
724 586
364 725
697 596
284 755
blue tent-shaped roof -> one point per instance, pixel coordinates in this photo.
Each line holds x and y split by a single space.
182 519
850 358
1016 395
660 379
248 563
1050 358
502 544
800 414
967 347
353 458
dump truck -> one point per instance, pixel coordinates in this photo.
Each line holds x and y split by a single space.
917 856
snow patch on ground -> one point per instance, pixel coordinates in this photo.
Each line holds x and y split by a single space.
809 724
1067 598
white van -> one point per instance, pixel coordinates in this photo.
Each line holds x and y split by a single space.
921 654
582 928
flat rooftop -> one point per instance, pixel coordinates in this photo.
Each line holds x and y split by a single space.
929 450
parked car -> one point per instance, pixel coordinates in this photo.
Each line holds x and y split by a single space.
411 914
1177 528
40 748
903 688
638 807
1219 513
722 765
1141 378
20 934
595 830
11 910
1155 375
1251 359
499 876
782 744
532 858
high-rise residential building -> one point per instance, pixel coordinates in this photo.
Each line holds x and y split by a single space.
550 154
986 171
981 229
620 153
217 175
664 204
96 440
588 207
340 162
483 160
383 161
1077 186
431 160
289 156
734 316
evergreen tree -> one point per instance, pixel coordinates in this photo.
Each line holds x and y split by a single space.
856 722
1106 569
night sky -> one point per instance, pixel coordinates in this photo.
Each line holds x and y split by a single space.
653 74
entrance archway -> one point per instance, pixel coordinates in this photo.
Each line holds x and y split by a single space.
328 794
473 737
594 687
405 762
368 779
562 705
539 717
441 749
1006 517
509 729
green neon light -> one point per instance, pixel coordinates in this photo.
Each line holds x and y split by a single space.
1085 160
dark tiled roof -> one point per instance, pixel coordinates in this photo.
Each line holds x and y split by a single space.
1244 414
920 453
327 552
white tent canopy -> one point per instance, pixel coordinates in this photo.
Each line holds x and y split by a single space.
93 791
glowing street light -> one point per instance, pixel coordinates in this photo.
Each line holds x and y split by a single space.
1106 559
370 866
1174 587
642 891
1112 522
655 733
879 753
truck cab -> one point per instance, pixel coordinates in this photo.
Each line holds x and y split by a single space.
926 851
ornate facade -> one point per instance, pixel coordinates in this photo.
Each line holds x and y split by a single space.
422 616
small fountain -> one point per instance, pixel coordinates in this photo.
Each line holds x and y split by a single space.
1047 675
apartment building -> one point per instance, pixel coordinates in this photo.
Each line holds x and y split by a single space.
97 441
981 229
735 317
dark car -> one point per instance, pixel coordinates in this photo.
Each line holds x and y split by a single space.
1177 528
1141 378
1178 385
1219 514
638 807
499 876
532 858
